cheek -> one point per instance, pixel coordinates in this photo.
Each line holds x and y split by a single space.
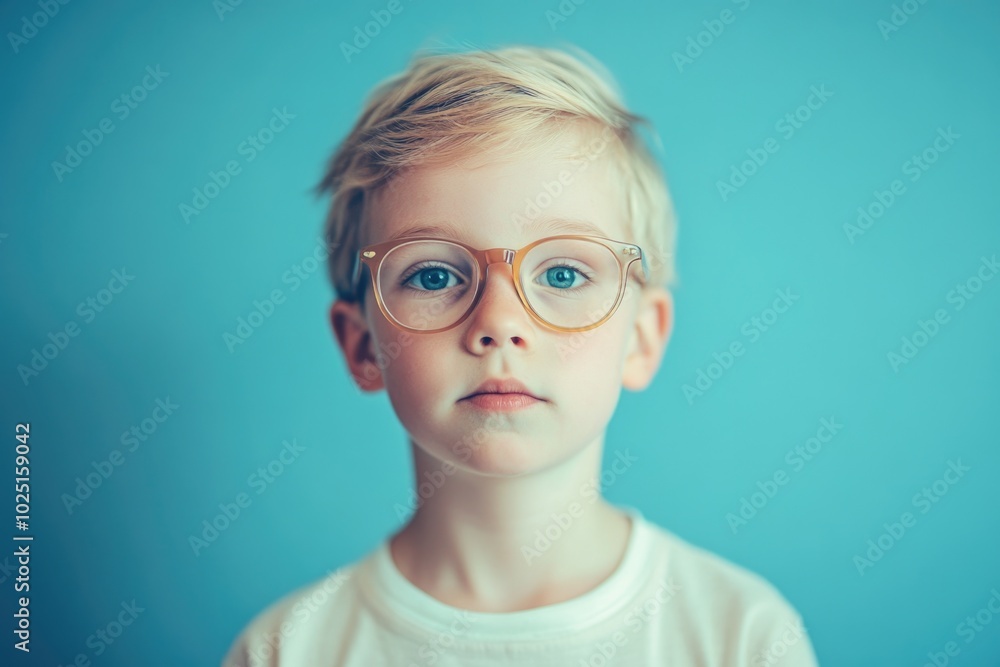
414 382
590 366
597 353
389 344
410 368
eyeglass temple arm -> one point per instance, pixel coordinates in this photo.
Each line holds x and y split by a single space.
356 277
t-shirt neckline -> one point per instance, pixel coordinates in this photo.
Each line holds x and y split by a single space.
424 613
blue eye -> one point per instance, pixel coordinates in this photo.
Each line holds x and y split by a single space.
431 279
562 276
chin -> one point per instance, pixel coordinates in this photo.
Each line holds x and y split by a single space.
505 456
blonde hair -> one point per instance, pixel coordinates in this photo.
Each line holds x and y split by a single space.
450 106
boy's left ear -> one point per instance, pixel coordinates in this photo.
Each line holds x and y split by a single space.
653 325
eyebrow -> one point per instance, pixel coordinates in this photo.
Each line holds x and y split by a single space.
566 225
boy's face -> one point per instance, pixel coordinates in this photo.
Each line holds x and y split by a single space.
579 376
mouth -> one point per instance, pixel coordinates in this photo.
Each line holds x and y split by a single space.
504 395
502 402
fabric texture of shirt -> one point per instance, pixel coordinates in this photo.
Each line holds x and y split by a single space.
667 603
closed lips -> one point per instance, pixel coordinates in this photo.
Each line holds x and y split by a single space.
508 386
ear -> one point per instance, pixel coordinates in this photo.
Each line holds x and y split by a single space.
653 324
351 329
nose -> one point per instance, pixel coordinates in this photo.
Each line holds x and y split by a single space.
499 318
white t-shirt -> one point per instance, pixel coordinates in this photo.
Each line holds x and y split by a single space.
667 603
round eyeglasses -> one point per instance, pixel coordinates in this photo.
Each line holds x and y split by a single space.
568 283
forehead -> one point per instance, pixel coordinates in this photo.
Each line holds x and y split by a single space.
571 186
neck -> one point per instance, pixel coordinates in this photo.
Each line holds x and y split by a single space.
498 544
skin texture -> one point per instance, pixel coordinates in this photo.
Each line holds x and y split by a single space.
511 471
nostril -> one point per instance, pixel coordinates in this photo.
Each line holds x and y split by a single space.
488 340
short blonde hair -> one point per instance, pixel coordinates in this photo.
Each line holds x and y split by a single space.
450 106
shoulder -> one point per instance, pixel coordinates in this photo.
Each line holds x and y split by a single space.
711 575
715 596
303 618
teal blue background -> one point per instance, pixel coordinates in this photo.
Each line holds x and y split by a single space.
826 357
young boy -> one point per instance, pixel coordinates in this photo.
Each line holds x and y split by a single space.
502 247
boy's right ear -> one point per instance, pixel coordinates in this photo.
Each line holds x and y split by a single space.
351 330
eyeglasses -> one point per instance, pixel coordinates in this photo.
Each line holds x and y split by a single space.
568 283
